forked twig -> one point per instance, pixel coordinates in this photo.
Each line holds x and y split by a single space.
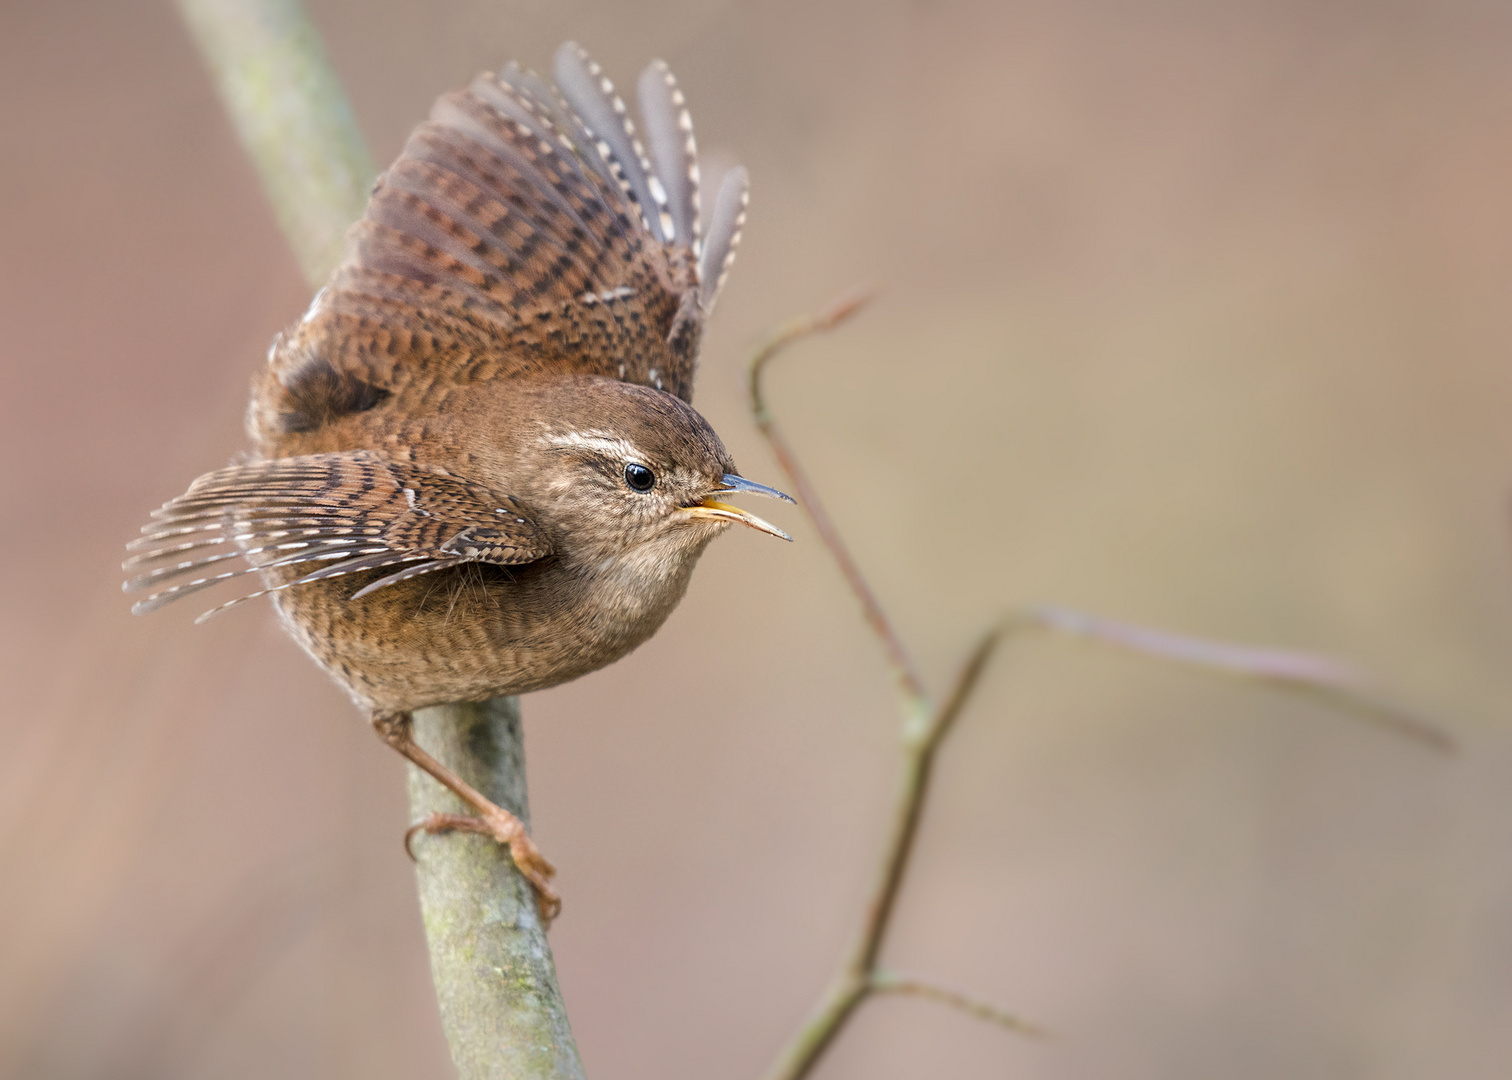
924 729
926 725
861 975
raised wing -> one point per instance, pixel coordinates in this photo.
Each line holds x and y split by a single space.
523 230
346 512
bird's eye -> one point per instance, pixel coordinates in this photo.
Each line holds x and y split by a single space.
639 477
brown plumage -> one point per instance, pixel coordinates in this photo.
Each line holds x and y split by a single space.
477 471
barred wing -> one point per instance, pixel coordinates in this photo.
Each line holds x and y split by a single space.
344 513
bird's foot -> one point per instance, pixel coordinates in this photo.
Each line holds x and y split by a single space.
508 830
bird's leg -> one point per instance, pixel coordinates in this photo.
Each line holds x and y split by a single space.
492 820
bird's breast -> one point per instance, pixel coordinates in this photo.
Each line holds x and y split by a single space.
477 631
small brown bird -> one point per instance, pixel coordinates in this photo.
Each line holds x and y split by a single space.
477 471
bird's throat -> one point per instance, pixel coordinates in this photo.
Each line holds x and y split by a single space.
640 586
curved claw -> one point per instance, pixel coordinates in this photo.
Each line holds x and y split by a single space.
504 829
409 839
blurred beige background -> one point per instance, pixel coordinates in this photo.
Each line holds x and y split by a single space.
1193 314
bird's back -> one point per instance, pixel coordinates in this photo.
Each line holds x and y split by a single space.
522 233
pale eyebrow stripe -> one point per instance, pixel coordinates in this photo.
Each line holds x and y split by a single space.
598 441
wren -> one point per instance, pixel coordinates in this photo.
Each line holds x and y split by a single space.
477 470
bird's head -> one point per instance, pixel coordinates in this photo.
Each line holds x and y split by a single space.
612 466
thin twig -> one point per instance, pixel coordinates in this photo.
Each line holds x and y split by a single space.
840 310
890 982
1320 677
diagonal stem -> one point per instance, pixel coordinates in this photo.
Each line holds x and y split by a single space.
860 976
904 671
292 116
922 736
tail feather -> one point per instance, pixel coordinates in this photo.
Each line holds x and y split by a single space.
725 225
551 109
591 95
523 224
674 153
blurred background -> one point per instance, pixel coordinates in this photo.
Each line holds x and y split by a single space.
1192 314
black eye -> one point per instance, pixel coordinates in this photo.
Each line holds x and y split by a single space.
639 477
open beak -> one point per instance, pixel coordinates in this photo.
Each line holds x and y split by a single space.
712 509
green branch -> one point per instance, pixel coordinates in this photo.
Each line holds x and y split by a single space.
494 974
292 116
495 978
